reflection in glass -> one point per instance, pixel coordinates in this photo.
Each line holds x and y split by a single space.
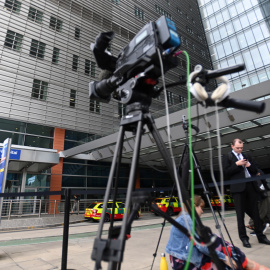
262 76
264 30
234 44
229 27
239 7
237 85
237 25
252 17
225 15
249 37
264 53
257 33
215 5
224 63
247 4
258 14
209 9
244 21
254 79
213 22
206 24
223 32
222 3
40 142
209 38
216 35
245 82
220 51
248 61
256 57
219 18
232 11
242 40
227 47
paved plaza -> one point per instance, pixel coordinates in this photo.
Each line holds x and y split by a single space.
41 248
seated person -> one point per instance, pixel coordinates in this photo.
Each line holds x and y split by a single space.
178 248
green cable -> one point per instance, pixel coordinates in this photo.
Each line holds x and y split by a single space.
191 162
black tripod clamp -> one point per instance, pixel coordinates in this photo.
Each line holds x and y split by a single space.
185 125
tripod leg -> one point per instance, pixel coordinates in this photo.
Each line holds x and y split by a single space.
119 144
202 230
132 176
206 192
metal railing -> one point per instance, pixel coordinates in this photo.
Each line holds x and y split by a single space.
13 208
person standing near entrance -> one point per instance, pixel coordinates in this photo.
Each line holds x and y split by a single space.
238 165
76 203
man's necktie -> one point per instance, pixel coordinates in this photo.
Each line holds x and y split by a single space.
247 175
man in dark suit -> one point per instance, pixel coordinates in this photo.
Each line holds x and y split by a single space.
237 165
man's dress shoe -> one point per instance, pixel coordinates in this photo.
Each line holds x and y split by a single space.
246 243
263 240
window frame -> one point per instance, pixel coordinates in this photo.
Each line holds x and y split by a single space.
75 62
13 5
95 106
55 23
37 49
55 55
72 98
16 39
42 92
35 15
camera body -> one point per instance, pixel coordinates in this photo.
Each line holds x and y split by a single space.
139 55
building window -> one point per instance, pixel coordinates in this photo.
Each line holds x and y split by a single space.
95 106
182 99
13 5
93 69
170 97
115 2
90 68
72 99
161 11
55 56
35 15
179 11
13 40
87 67
139 13
37 49
75 62
39 89
55 24
77 33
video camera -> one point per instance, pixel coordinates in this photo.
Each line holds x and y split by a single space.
138 64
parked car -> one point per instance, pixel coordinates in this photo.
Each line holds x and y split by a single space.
94 210
173 205
228 201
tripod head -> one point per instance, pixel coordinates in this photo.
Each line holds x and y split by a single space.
185 125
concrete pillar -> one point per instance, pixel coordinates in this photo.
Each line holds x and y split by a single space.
57 170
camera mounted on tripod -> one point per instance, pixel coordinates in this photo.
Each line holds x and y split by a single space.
133 75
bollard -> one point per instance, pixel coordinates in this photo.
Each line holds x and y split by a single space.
163 262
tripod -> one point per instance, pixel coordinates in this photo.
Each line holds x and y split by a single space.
111 249
206 192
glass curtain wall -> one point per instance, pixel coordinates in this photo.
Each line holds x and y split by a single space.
238 32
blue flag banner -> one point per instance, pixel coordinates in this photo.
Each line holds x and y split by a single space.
15 154
3 162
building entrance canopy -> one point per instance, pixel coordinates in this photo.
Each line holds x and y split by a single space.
33 159
251 127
